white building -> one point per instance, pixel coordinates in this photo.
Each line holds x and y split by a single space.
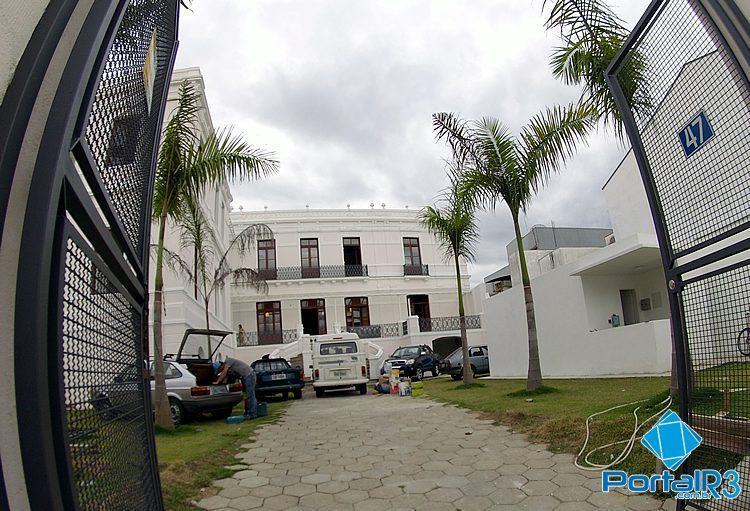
377 272
599 311
183 304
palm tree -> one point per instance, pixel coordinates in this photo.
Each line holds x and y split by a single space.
592 35
186 165
455 228
209 273
512 169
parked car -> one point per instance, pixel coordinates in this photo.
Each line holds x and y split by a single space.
189 379
339 361
478 358
277 376
413 361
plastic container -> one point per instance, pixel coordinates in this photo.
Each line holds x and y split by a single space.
262 409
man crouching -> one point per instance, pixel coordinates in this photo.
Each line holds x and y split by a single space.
246 375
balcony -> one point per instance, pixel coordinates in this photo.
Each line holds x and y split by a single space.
334 271
448 323
416 269
376 331
255 339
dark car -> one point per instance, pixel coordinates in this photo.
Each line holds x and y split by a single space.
478 358
413 361
277 376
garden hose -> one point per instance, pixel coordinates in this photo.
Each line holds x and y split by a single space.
629 443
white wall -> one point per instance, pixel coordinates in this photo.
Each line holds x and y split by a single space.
626 200
18 19
539 262
567 347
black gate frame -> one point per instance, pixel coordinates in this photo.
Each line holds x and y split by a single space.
57 197
734 26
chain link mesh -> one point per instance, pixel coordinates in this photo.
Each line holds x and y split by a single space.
104 390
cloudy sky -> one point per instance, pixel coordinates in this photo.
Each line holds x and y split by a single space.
343 92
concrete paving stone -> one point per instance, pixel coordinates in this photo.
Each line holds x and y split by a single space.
669 505
473 503
345 476
272 473
507 496
539 474
299 490
483 476
572 493
246 502
215 502
437 465
364 484
351 496
373 505
234 492
280 502
240 466
300 471
386 492
539 503
452 481
539 463
607 500
511 481
253 481
243 474
539 488
643 503
316 500
444 494
333 487
315 478
429 474
511 469
266 491
420 486
229 482
459 470
436 506
575 506
410 501
487 464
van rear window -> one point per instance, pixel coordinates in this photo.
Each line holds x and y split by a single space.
338 348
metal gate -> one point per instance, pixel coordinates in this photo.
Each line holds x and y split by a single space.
82 387
688 122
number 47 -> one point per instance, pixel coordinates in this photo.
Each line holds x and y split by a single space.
693 139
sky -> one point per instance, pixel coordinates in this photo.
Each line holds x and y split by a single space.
342 91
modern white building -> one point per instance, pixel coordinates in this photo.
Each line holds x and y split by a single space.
601 305
374 271
183 304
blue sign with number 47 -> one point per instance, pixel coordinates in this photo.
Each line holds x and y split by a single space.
697 132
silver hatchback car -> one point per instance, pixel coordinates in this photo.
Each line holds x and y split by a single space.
189 379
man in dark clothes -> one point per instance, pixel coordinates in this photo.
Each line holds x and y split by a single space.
246 375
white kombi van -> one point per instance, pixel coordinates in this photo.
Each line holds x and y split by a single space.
339 361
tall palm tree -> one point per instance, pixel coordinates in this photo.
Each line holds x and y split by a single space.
208 272
186 165
512 169
592 35
453 224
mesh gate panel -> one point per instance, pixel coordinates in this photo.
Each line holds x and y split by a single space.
688 69
715 324
104 389
124 120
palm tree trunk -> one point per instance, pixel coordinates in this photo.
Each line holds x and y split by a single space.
468 374
534 377
195 271
208 320
161 401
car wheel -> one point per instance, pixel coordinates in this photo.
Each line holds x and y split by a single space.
455 376
177 411
318 392
362 389
297 394
222 414
418 373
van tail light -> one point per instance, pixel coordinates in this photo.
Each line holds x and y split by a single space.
235 387
364 371
316 374
200 391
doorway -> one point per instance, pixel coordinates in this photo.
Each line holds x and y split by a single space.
629 306
313 316
419 305
352 257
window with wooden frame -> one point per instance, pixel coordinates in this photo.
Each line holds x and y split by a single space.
357 312
267 259
412 257
269 323
309 257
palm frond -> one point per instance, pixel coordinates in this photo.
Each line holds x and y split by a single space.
241 243
459 136
550 138
245 277
174 262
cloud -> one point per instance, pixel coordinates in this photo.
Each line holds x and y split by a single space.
343 92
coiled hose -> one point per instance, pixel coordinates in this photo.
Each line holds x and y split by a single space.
629 443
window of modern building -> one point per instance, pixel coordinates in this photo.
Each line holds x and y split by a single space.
314 316
269 323
357 312
267 259
352 257
412 257
309 257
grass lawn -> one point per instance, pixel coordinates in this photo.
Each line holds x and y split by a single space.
194 454
558 418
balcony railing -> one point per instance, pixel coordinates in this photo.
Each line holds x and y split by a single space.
448 323
255 339
416 269
333 271
376 331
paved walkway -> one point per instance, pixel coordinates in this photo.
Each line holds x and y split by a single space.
384 453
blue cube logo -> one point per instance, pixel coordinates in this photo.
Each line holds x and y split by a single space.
671 440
